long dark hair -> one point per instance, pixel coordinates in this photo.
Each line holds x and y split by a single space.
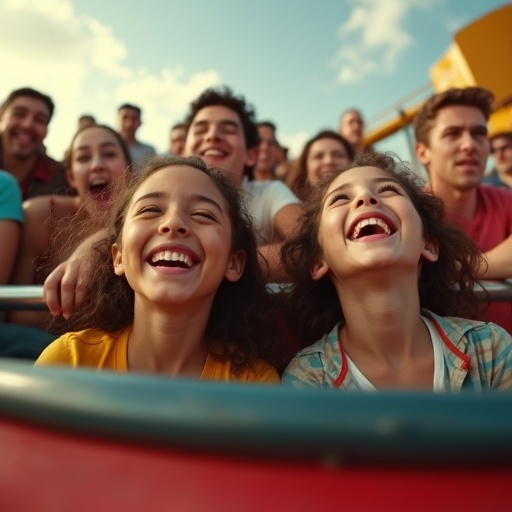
240 315
446 286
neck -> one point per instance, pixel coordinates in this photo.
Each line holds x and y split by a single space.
262 174
129 139
169 339
382 315
460 203
20 168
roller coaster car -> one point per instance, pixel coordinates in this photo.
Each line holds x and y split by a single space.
82 440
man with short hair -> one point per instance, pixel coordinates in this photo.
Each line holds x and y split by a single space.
452 143
24 119
223 133
129 121
177 140
351 127
501 150
85 120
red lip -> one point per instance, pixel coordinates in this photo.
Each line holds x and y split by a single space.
370 215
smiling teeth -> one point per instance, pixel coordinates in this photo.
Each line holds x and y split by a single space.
368 222
171 256
213 152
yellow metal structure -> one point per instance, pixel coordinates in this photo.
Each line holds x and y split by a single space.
481 55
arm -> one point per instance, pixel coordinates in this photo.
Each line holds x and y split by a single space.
11 219
284 224
499 261
66 285
10 235
35 238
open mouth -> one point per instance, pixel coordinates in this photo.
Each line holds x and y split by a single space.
100 190
171 259
369 227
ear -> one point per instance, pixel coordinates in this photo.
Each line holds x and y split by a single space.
430 251
117 259
319 269
251 156
422 153
236 266
71 178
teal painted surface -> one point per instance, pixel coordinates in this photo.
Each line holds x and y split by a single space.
269 421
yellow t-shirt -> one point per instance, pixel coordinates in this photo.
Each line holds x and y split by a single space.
95 348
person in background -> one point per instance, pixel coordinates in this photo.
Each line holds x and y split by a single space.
177 288
321 155
221 132
501 150
16 341
452 143
351 128
85 120
177 140
97 159
24 118
386 283
129 121
264 168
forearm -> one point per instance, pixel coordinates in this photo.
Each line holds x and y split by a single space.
499 261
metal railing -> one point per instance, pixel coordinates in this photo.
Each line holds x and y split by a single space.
30 297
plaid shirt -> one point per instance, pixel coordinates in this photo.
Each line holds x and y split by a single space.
477 355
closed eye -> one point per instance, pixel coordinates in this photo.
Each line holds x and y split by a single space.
205 214
338 197
389 187
149 209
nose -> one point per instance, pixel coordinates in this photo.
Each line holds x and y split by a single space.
468 141
213 132
173 224
28 121
97 162
366 198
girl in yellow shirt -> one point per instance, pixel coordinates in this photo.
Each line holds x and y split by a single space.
175 285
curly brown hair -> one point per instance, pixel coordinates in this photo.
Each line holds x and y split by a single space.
240 318
446 286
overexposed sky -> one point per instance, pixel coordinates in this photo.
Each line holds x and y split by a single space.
299 63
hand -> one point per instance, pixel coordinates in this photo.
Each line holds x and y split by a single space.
65 287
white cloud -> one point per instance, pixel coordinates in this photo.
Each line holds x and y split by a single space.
373 38
81 63
294 142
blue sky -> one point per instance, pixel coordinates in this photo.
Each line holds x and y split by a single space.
299 62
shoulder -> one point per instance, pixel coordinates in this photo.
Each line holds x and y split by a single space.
316 364
81 348
7 180
10 198
462 331
494 193
270 187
